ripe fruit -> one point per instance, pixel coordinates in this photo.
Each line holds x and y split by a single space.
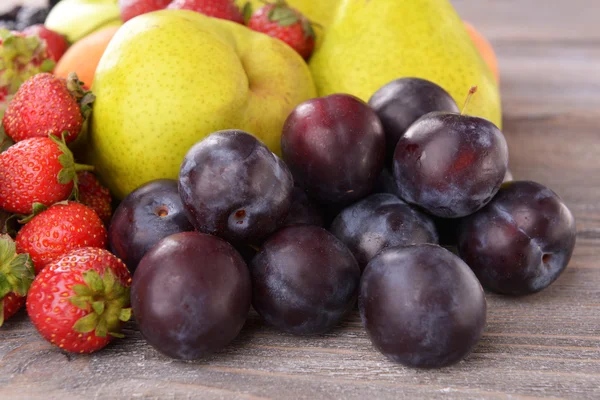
381 221
223 9
132 8
450 164
304 280
16 275
56 44
21 57
521 241
84 55
37 170
94 195
190 54
47 105
191 295
334 147
422 306
147 215
286 24
80 300
304 211
58 230
234 187
370 43
403 101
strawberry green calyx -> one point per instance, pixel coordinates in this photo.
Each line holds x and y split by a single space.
247 11
16 272
70 167
105 299
85 98
284 15
21 57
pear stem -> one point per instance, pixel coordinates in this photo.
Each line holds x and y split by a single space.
472 91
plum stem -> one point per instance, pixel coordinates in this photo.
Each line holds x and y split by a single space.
472 91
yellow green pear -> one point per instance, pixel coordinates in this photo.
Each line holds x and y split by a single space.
170 78
369 43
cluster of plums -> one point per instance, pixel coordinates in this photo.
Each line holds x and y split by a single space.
388 180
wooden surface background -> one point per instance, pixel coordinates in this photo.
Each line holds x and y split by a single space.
543 346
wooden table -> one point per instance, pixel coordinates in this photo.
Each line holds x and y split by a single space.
542 346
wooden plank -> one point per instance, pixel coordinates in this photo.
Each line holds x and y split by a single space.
537 347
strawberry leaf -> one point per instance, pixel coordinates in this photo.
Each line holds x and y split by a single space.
5 286
93 280
81 302
86 324
98 307
247 12
283 15
101 328
82 290
125 314
16 270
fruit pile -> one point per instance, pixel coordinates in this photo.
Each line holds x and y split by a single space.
403 204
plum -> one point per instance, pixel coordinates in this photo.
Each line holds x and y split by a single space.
379 221
422 306
521 241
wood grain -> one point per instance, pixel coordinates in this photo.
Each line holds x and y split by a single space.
538 347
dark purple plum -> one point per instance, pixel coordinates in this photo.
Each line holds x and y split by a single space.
380 221
521 242
304 280
304 211
403 101
191 295
335 148
422 306
234 187
147 215
449 164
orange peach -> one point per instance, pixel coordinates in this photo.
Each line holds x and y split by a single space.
84 55
485 48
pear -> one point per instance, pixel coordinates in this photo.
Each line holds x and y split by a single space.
369 43
170 78
78 18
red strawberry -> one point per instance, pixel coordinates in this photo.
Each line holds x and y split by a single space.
79 301
47 105
56 44
16 275
94 195
284 23
224 9
58 230
38 170
133 8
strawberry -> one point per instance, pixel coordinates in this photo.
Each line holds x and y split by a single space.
37 170
79 301
16 275
47 105
284 23
133 8
94 195
224 9
56 44
58 230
